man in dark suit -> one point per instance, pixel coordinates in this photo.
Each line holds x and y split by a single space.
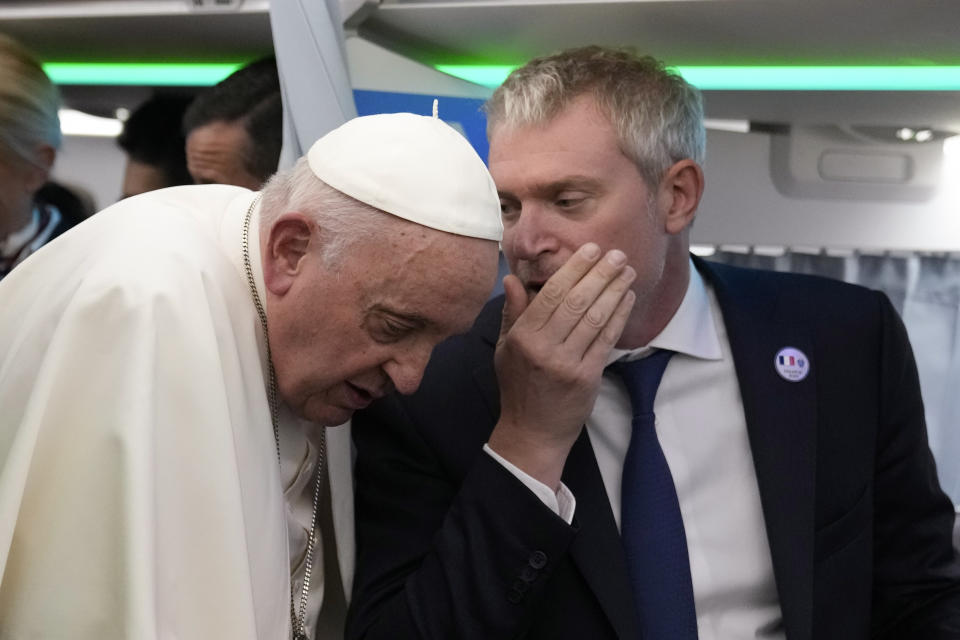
789 463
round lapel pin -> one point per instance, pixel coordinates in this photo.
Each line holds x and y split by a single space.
792 364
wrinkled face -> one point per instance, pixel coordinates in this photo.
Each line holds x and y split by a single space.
216 152
352 331
566 183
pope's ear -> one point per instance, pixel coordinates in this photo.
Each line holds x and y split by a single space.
288 243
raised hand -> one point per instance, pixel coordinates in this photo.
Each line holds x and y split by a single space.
551 355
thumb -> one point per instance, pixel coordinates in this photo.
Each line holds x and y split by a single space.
515 302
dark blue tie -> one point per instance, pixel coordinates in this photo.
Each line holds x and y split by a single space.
650 524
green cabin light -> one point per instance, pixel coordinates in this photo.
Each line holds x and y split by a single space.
487 75
862 78
139 73
749 78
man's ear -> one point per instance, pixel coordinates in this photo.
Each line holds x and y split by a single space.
289 241
681 188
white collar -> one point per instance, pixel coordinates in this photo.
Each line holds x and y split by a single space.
690 331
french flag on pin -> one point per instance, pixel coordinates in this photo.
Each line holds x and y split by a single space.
792 364
791 361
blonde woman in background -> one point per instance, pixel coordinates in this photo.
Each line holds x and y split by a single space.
29 139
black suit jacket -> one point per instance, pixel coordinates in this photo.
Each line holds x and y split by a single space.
450 545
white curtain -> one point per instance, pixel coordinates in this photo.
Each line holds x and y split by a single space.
932 314
926 292
317 97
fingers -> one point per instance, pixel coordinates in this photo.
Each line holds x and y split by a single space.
555 289
610 334
580 308
515 302
596 323
591 301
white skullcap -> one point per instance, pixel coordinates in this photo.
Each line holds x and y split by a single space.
415 167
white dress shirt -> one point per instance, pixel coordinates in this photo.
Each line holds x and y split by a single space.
300 450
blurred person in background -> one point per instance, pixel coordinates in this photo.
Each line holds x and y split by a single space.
74 203
29 139
234 129
153 141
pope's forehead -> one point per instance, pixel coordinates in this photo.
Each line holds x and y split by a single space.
411 239
418 266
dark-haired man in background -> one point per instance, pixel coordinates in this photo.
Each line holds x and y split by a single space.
153 141
234 129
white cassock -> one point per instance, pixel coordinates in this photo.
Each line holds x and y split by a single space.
140 495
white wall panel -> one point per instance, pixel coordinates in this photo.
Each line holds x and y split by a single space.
742 206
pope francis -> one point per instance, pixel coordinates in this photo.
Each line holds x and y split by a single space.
168 370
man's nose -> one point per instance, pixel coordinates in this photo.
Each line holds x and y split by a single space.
530 235
406 369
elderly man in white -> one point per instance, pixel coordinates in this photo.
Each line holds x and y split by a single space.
164 368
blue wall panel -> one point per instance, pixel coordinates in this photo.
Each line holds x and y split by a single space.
465 112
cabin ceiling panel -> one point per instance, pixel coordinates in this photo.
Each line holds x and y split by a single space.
683 32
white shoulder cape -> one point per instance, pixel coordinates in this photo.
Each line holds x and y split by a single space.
139 491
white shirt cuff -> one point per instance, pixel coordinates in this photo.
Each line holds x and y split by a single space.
561 503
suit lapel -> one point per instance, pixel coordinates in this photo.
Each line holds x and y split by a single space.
487 327
781 423
596 550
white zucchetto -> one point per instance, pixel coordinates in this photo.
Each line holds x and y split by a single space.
414 167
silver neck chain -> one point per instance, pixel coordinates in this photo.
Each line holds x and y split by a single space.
297 620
